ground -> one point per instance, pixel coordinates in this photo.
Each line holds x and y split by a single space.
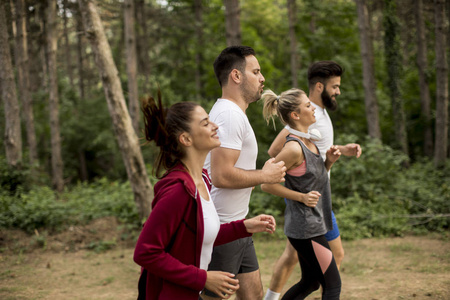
95 262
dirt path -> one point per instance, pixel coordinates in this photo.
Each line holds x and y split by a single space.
391 268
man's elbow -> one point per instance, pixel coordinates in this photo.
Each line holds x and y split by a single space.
218 181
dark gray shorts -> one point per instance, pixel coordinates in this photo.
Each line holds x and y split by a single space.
235 257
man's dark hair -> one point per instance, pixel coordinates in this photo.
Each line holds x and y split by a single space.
323 70
230 58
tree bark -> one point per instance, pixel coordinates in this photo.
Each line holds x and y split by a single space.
13 138
131 58
199 47
80 57
43 42
292 13
422 64
232 22
393 65
370 99
24 81
57 162
142 41
123 129
441 137
68 54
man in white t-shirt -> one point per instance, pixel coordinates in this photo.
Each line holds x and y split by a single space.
324 80
232 166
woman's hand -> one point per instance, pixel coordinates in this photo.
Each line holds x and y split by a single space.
261 223
221 283
311 199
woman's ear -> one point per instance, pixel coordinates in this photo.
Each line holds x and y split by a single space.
295 115
185 139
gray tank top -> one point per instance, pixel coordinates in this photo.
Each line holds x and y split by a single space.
301 221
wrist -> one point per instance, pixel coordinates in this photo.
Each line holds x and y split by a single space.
301 197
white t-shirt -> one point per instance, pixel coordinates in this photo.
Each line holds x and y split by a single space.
211 229
235 132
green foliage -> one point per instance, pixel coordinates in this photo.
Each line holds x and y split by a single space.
41 208
101 246
375 196
13 179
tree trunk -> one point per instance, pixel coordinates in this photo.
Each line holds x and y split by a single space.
144 66
199 47
13 138
232 22
123 129
80 58
24 81
370 98
393 65
292 13
68 54
422 65
130 50
43 42
83 165
57 162
441 138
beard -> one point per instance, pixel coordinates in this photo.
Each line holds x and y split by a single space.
248 94
327 101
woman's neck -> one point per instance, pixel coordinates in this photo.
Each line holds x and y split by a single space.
194 163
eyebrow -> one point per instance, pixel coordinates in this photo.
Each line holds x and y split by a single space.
205 119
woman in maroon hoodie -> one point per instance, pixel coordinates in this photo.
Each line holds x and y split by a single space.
175 245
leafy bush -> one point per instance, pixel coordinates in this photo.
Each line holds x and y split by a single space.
376 195
41 208
13 179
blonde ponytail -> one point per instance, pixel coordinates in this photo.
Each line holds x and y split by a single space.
270 103
282 105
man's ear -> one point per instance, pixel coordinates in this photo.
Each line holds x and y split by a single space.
236 75
185 139
319 87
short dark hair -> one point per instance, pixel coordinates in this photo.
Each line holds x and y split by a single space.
323 70
230 58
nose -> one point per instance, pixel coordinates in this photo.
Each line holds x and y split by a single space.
338 91
215 127
262 79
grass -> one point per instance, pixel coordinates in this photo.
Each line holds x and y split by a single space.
411 267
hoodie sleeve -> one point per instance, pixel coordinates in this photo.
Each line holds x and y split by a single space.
168 211
231 231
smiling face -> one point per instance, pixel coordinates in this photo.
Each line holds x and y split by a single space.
203 132
306 111
330 93
253 80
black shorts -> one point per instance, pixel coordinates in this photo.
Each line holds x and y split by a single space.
235 257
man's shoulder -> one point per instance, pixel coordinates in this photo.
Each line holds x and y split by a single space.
222 105
225 109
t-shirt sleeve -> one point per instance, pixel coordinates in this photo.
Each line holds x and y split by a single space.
231 130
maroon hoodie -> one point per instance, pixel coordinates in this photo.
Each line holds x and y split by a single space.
169 246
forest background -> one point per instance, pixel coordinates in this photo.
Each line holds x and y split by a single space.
71 89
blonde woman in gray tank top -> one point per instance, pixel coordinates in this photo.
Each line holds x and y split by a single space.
307 190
